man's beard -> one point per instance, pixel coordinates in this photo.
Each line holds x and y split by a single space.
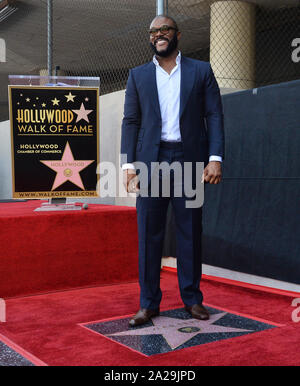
172 46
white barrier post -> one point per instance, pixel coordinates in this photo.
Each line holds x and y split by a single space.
2 51
2 311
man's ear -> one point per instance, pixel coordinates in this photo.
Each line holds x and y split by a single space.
178 35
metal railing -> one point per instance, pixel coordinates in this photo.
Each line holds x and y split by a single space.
106 38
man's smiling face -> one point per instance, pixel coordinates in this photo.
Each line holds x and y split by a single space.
164 43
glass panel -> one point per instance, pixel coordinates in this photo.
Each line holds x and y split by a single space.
35 80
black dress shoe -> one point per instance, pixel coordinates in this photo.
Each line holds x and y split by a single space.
142 317
197 311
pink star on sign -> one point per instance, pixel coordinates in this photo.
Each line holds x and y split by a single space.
82 113
67 169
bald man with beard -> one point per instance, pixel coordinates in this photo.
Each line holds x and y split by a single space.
173 113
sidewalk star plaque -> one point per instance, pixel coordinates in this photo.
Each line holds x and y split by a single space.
55 141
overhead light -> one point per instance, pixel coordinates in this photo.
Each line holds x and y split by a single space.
7 8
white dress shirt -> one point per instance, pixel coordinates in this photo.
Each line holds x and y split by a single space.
168 87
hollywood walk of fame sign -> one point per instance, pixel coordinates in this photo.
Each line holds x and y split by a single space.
55 141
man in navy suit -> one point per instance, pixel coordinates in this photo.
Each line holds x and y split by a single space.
172 113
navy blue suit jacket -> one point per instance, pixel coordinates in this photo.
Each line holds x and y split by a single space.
201 114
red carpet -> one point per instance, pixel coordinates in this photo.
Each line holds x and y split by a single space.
48 251
47 327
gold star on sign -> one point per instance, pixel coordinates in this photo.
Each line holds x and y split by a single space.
43 104
27 99
55 102
70 97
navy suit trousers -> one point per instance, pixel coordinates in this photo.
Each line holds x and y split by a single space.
151 216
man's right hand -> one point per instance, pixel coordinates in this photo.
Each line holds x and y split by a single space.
130 181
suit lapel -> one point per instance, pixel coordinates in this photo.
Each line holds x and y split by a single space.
152 87
186 84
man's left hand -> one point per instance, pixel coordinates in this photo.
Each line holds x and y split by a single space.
212 173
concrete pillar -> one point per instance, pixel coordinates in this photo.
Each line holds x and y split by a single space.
44 72
232 44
